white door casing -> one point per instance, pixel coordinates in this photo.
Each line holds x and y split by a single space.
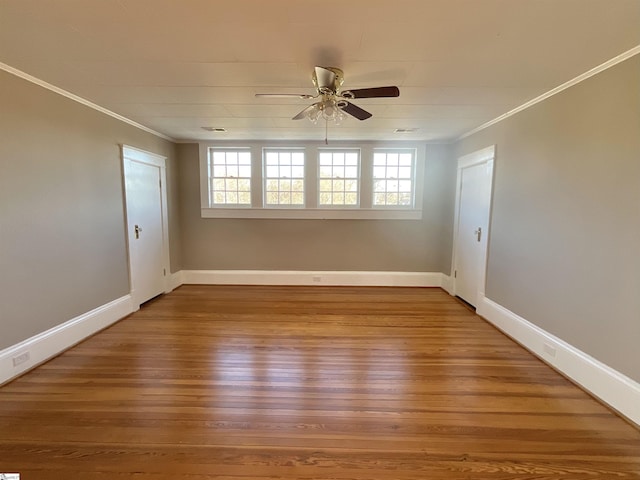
472 220
146 222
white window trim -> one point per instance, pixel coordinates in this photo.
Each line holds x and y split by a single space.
365 211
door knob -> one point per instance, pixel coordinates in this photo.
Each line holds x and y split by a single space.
478 233
137 230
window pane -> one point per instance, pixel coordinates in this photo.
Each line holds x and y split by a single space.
379 199
285 185
325 185
379 159
272 185
338 172
338 198
351 198
379 172
284 198
405 159
351 172
244 198
404 186
325 158
272 198
325 172
404 172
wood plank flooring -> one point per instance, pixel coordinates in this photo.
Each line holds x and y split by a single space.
313 383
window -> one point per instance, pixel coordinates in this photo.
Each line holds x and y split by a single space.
310 180
339 178
393 174
284 178
229 177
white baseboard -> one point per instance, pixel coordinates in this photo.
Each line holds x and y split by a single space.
56 340
612 387
447 284
336 278
175 280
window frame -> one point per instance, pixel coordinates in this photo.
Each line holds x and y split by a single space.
279 150
211 178
312 210
412 178
358 177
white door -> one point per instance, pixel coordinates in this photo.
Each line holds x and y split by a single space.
474 204
146 224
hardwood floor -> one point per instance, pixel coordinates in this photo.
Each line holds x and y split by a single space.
315 383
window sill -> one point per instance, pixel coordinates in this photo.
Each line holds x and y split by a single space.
314 213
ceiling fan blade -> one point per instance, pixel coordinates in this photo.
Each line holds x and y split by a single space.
285 95
356 111
377 92
304 113
325 78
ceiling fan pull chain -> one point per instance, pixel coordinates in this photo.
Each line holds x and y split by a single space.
326 131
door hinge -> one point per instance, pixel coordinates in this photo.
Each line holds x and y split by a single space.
164 272
455 274
160 183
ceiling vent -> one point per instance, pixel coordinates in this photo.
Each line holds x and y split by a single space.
405 130
214 129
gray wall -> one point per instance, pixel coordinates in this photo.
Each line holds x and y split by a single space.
369 245
565 234
62 238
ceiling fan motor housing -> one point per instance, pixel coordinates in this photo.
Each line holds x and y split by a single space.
327 80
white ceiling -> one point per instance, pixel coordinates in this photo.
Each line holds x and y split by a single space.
178 65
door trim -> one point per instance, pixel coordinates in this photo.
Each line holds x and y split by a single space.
149 158
479 157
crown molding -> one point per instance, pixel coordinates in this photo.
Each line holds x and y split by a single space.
76 98
580 78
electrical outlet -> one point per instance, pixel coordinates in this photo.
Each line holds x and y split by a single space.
20 359
316 279
549 350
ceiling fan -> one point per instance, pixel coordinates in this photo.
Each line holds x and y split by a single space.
333 102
